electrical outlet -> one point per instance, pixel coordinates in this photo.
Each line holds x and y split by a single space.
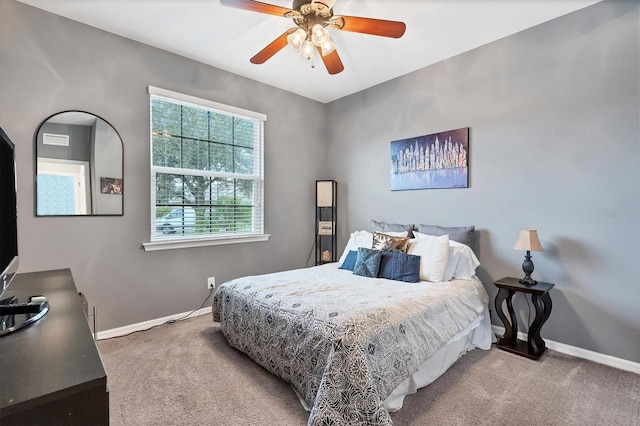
211 283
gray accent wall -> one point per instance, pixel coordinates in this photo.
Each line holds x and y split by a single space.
554 146
50 64
554 126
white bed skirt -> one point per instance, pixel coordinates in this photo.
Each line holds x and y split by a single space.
478 334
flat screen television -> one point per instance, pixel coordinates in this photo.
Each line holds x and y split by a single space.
8 212
16 309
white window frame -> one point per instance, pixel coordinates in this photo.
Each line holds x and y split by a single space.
206 240
78 170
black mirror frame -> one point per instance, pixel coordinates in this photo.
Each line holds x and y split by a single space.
35 171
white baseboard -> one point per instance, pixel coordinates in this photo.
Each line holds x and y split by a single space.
609 360
141 326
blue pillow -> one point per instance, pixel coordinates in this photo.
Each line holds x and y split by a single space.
349 261
398 266
367 262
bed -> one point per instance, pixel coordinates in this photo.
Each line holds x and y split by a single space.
353 346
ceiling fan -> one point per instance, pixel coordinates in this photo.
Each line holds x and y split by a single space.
312 18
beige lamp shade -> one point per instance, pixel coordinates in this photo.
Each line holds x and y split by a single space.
325 191
528 241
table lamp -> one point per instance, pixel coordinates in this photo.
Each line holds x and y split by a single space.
528 241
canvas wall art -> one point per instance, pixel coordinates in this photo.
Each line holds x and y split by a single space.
439 160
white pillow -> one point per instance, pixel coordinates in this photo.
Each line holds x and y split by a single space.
357 239
419 235
462 263
394 234
466 263
434 253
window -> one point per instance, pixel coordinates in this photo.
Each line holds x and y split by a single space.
63 187
207 172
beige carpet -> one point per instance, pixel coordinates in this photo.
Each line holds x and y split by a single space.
185 373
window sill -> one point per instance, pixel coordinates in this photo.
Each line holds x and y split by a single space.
202 242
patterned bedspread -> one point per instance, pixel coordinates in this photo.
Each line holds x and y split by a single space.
344 342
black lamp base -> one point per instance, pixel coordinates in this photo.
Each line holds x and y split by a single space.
527 280
527 267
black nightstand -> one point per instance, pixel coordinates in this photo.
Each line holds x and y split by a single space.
534 347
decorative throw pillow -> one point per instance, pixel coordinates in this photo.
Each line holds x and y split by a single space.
367 262
398 266
434 253
385 242
461 234
357 239
378 226
349 261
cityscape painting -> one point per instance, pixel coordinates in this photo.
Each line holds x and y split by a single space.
439 160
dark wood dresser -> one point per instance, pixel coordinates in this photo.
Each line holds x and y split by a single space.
51 372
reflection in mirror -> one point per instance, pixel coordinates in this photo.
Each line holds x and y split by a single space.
79 166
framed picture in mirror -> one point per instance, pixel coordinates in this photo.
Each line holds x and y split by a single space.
110 185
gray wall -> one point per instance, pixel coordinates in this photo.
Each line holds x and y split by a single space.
554 146
50 64
553 113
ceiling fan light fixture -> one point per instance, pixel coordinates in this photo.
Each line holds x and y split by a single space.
307 50
318 34
296 39
312 17
327 47
321 38
326 3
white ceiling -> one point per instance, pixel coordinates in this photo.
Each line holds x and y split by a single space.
226 38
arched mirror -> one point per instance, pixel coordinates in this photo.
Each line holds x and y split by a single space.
79 166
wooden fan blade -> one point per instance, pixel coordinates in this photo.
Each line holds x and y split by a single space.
256 6
272 48
332 62
379 27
